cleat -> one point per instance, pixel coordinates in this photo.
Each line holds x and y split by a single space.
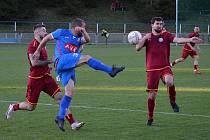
149 122
60 123
116 70
77 125
175 107
9 112
197 72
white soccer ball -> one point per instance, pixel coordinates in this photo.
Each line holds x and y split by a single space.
134 37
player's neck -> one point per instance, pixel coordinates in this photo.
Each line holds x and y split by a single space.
38 39
155 33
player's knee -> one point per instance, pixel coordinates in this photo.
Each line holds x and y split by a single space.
152 95
58 97
182 60
169 83
86 58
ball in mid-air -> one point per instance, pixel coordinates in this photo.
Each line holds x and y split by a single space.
134 37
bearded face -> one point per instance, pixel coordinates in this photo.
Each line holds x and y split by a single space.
157 26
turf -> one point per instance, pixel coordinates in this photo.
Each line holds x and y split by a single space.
112 108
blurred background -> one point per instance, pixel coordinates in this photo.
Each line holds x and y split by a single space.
118 17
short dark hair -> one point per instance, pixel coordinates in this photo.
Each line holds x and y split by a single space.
77 22
38 26
156 19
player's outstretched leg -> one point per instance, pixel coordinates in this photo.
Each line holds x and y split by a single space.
98 65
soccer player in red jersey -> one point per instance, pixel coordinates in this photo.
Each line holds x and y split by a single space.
157 45
190 49
40 79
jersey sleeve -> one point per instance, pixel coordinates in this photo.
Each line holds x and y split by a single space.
170 37
31 49
191 35
56 34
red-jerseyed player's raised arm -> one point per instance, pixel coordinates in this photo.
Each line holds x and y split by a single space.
41 45
188 40
142 41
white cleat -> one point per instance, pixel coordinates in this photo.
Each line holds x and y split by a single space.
9 112
77 125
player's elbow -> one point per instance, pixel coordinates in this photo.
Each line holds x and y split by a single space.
87 40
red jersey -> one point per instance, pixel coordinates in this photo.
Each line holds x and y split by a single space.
37 71
158 51
193 34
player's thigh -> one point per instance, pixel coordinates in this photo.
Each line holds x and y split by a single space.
83 59
185 53
34 89
153 78
194 54
68 61
51 87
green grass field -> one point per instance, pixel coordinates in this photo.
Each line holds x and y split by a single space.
112 108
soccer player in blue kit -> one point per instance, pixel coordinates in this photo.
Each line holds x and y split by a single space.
67 57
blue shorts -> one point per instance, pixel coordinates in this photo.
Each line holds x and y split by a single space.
65 67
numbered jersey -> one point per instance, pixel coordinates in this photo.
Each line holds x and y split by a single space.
66 42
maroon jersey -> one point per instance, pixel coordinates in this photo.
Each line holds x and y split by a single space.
37 71
158 51
193 34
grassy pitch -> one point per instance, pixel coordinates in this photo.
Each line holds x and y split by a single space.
112 108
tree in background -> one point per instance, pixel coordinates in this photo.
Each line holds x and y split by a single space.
146 9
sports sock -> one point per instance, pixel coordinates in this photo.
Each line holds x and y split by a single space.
172 94
70 118
98 65
151 106
64 104
16 107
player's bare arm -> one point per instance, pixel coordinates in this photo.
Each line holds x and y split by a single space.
142 41
35 62
187 40
41 45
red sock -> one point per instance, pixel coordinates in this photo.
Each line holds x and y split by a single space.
70 118
172 94
16 107
151 107
195 67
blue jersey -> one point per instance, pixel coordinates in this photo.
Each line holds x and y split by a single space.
66 42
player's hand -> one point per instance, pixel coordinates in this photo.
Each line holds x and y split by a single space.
80 29
196 40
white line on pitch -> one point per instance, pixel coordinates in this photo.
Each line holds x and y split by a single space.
121 109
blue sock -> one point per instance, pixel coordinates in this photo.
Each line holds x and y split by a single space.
64 104
98 65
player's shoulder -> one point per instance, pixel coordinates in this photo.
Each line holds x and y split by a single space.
192 34
63 32
33 43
